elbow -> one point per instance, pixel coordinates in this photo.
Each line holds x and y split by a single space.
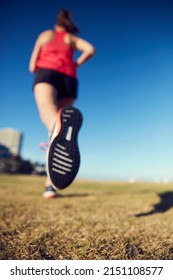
31 69
92 51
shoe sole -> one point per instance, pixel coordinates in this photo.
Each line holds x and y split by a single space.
49 195
63 157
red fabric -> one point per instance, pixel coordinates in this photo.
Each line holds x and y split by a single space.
57 55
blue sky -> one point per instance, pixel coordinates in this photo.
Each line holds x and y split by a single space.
125 91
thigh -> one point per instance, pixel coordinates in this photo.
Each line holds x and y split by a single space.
46 100
45 94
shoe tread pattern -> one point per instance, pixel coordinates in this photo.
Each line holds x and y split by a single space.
64 156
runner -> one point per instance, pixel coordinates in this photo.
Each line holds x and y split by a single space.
55 89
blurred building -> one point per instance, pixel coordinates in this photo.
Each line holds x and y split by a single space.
11 139
4 152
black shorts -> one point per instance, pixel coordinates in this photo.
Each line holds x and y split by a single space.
66 86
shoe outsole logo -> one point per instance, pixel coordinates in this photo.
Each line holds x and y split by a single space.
69 133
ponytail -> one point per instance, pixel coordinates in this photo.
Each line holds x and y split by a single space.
64 19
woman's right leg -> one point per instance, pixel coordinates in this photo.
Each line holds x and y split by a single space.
46 100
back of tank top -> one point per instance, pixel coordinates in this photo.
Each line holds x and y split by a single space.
57 55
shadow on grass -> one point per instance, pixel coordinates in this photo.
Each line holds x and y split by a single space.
166 202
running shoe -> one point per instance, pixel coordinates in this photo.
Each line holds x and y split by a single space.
63 157
49 192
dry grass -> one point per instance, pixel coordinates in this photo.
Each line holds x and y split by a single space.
89 220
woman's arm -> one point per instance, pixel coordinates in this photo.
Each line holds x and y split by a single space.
34 55
43 38
85 47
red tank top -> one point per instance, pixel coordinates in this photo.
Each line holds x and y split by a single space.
57 55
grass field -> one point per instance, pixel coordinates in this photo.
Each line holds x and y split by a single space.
89 220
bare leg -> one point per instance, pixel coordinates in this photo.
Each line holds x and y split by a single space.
46 100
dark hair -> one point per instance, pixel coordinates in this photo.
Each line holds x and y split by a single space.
64 19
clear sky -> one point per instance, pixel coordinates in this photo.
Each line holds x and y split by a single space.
125 91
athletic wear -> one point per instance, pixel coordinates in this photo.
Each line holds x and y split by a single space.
63 158
66 86
57 55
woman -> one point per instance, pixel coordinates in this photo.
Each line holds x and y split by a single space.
55 84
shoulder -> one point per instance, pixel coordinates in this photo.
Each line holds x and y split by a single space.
70 39
47 32
45 36
75 39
